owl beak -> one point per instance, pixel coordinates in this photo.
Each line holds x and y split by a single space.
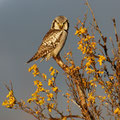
61 26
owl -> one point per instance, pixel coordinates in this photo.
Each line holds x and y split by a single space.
54 40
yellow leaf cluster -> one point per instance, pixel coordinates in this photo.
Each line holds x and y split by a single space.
44 76
90 60
102 98
50 96
11 100
117 111
55 89
86 44
50 82
80 31
92 83
53 71
91 98
50 106
35 70
35 96
101 59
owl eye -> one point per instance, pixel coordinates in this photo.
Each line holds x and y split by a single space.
65 25
55 25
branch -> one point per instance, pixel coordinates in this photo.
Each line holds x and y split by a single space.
76 78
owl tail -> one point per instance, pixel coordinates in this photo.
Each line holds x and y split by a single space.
35 57
30 60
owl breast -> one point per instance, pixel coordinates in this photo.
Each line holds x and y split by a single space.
59 46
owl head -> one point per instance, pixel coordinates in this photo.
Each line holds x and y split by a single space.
60 23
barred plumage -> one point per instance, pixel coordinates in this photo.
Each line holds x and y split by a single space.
54 39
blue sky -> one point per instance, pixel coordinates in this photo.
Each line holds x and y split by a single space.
23 24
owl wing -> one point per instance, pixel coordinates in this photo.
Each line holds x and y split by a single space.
49 43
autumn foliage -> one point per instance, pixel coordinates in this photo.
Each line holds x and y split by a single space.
99 69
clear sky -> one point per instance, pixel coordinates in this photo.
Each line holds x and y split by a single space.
23 23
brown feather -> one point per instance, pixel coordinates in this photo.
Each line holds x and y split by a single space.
46 48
